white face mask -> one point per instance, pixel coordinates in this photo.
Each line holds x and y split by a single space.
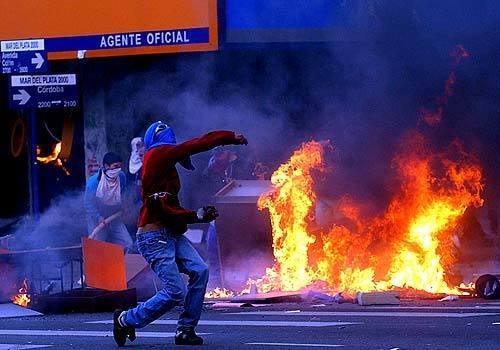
113 173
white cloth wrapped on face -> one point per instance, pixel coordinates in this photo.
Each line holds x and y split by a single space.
108 189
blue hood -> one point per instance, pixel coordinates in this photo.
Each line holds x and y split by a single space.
164 137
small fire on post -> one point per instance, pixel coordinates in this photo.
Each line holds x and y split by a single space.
52 158
22 298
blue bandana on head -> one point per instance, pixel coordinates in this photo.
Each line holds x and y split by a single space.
159 134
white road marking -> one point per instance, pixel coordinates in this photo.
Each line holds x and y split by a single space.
21 346
251 323
496 323
366 314
302 345
51 333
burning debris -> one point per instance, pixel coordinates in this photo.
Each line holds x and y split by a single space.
22 298
408 246
219 293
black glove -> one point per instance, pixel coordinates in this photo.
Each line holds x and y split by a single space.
207 214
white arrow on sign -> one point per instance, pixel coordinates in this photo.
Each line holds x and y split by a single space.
22 96
38 60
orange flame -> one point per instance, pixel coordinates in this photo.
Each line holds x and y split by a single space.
53 157
23 298
409 245
289 208
218 293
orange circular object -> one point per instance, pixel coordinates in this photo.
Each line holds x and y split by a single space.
17 138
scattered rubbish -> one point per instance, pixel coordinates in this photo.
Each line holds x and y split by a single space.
317 296
230 305
268 298
449 298
338 298
378 298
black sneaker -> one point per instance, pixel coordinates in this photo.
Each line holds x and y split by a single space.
120 333
187 337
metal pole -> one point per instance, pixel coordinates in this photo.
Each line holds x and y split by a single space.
35 209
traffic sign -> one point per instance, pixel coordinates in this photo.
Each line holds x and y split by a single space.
43 91
23 56
24 62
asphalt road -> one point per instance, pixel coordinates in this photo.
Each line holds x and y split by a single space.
421 325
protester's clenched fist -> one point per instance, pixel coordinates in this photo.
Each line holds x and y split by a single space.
240 139
207 213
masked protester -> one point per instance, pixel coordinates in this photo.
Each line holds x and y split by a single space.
133 199
136 159
160 239
103 199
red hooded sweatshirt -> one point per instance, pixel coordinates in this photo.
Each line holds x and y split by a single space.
160 175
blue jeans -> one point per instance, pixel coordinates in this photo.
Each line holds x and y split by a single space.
168 255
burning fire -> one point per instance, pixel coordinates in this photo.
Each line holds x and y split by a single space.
53 157
218 293
409 245
23 298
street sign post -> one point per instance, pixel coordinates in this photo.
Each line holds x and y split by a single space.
23 56
43 91
33 92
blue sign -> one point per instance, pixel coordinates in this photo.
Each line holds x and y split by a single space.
128 40
43 91
23 56
24 62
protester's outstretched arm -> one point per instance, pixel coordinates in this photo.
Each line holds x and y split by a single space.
208 142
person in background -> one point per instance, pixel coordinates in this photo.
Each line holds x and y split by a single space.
160 236
103 203
135 161
133 198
